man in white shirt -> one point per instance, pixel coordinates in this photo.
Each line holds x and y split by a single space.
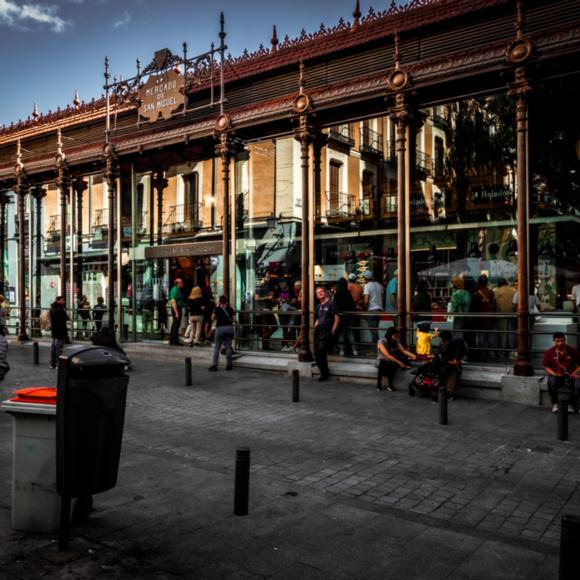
373 302
576 295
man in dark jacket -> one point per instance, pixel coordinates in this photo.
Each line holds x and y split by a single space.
58 330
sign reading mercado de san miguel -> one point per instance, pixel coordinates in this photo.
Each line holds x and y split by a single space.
162 95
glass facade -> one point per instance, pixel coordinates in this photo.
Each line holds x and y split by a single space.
462 238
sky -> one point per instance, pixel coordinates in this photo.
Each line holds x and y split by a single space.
50 49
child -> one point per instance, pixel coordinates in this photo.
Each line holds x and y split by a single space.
423 348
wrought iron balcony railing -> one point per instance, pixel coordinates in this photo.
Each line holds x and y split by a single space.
183 218
371 141
342 134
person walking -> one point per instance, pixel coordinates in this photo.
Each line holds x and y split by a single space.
224 315
325 327
422 302
373 302
58 329
176 298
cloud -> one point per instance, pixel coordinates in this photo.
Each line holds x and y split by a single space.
123 20
20 15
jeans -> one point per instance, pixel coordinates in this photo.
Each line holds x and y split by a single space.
322 344
175 324
56 350
193 330
223 336
373 324
555 383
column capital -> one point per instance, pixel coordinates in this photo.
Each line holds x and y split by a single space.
80 185
227 145
160 182
305 132
38 192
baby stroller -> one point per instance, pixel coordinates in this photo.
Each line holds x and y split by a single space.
426 381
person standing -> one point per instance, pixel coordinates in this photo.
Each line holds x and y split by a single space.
176 298
460 303
576 295
4 366
325 327
503 297
99 310
391 293
224 315
58 329
486 337
422 302
562 365
346 307
356 291
194 308
373 301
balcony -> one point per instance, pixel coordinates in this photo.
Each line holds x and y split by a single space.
423 162
341 135
340 206
182 218
370 141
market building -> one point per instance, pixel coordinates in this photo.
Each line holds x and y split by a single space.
437 142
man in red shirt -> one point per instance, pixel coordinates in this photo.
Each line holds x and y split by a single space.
562 363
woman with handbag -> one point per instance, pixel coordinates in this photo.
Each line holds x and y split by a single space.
224 316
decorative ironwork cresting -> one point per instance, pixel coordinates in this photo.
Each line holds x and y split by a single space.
161 88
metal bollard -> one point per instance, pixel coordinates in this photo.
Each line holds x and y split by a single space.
443 405
188 380
569 547
295 386
242 482
563 419
35 353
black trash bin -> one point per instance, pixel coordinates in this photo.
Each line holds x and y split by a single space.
90 414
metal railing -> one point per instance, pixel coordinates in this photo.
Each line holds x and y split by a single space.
371 141
341 205
183 218
101 218
342 134
490 338
423 162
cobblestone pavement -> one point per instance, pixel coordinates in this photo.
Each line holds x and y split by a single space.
348 483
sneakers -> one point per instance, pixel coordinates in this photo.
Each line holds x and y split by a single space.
450 397
341 352
555 408
354 352
391 388
52 367
571 410
213 368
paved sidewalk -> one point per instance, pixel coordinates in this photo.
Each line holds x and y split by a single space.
348 483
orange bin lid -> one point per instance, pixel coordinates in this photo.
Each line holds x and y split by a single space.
44 395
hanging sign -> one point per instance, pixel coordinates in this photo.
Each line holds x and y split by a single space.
161 96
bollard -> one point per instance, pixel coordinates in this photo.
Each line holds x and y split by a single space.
295 386
35 353
242 482
563 419
569 544
188 380
443 405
